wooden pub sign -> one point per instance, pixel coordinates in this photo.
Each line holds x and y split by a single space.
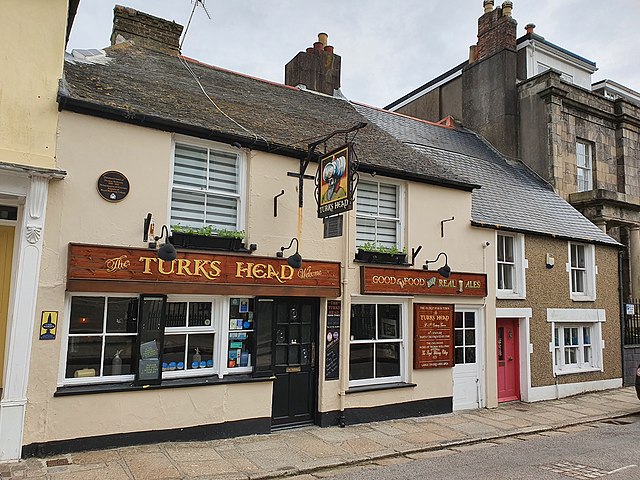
93 268
432 335
400 281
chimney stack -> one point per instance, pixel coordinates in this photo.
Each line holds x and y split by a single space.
145 31
318 68
496 30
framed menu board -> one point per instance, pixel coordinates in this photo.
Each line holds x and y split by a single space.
332 352
432 335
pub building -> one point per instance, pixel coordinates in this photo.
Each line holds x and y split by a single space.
292 314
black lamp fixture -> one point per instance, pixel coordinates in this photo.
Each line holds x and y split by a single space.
445 270
295 260
167 251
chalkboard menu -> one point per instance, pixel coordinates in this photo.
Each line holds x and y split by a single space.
432 335
150 338
332 351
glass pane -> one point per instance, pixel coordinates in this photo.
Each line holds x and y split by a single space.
567 336
241 313
294 355
242 343
556 337
387 360
122 315
457 322
389 321
365 230
367 198
84 357
281 355
223 171
387 233
470 355
361 362
173 353
586 335
501 276
578 281
388 204
574 336
363 322
470 337
199 314
200 351
508 249
501 240
458 337
118 355
187 208
294 334
222 212
470 320
87 315
190 167
508 277
306 334
587 355
176 314
459 356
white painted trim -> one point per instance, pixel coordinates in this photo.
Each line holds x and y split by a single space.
520 263
551 392
480 355
579 315
421 93
590 273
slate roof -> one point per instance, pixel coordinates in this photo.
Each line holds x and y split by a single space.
511 197
157 90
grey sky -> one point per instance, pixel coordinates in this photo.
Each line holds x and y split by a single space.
388 47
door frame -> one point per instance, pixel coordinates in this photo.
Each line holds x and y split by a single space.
515 322
480 355
7 327
523 315
315 356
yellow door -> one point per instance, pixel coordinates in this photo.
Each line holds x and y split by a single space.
6 255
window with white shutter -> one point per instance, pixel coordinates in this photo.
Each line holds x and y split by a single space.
206 188
378 214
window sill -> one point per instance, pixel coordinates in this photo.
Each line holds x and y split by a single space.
510 296
577 370
379 386
170 383
583 298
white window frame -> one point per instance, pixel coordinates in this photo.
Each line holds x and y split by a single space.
219 327
520 264
561 318
589 270
584 182
240 195
404 323
62 379
400 196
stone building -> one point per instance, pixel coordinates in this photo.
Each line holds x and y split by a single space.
535 102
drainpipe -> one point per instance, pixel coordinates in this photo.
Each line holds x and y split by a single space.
345 319
622 311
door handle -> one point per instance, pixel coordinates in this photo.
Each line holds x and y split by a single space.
510 359
313 354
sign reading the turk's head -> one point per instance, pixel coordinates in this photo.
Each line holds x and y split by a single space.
400 281
139 269
335 193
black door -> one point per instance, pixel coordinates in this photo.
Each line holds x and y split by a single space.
295 329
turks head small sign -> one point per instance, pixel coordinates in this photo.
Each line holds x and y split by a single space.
335 189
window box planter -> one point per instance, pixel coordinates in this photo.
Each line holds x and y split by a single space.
368 256
206 242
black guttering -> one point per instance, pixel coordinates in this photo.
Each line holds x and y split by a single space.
66 102
426 85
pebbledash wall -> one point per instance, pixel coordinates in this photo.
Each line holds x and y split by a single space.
549 298
58 419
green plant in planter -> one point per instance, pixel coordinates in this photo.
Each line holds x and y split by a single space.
208 231
374 247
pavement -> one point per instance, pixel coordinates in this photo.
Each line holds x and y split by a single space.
312 452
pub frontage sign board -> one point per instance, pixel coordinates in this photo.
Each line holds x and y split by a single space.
121 269
334 182
400 281
432 335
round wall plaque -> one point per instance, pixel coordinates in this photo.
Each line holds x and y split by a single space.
113 186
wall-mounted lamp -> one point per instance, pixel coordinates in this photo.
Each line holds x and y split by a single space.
550 260
445 270
295 260
167 251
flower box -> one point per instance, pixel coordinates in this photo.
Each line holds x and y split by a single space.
369 256
205 242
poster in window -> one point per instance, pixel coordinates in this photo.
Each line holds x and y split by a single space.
332 348
150 340
334 182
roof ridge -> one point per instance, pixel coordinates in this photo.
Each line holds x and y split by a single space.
427 122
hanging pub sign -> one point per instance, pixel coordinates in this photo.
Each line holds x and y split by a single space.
335 186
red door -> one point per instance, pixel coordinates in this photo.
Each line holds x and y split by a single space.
508 361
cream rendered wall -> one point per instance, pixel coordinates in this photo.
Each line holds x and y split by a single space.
32 38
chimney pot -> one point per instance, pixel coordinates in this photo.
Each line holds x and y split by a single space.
473 53
328 49
317 69
309 49
507 7
488 6
318 46
323 38
529 27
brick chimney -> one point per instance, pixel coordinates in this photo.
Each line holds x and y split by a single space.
145 30
318 68
496 30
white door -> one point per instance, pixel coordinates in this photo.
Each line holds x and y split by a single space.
467 372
